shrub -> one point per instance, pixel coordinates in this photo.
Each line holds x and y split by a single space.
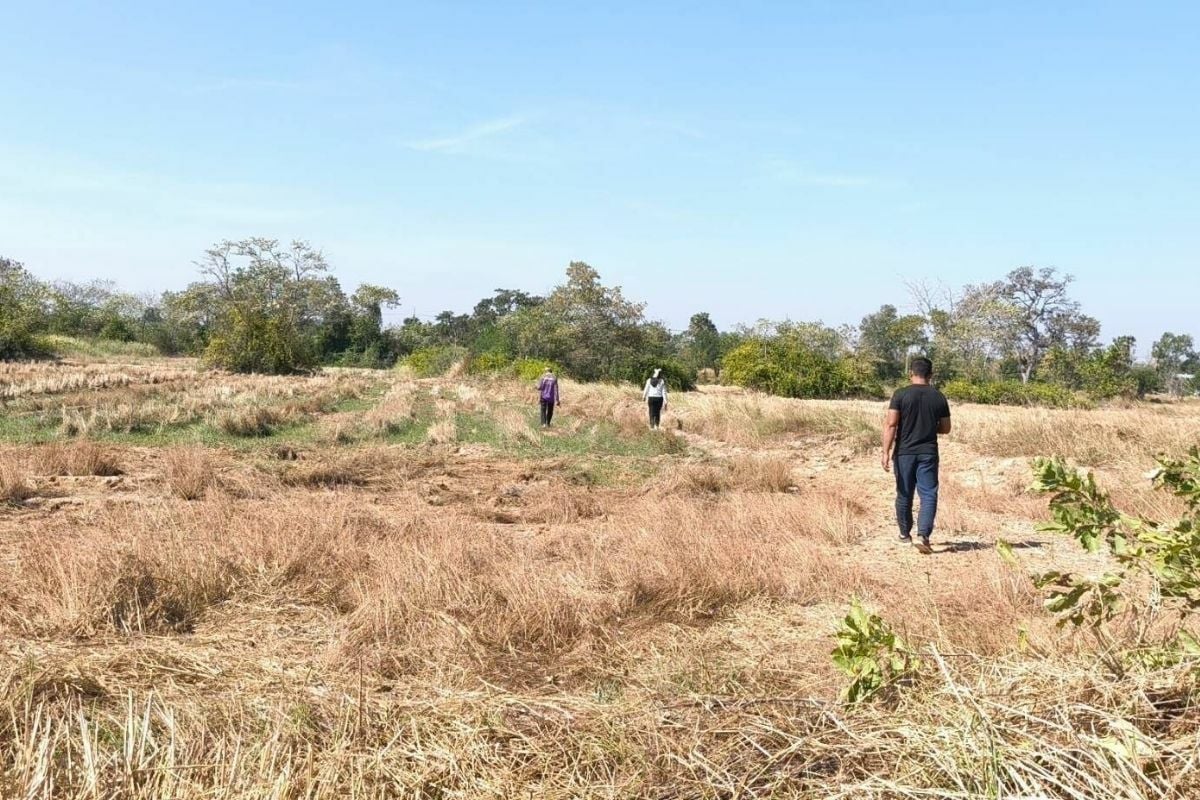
679 377
1162 553
786 367
1013 393
489 363
376 355
432 362
73 347
262 344
871 654
20 311
530 369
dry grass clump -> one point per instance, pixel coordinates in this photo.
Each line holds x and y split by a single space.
15 486
393 412
767 474
189 471
361 468
741 473
54 378
827 515
549 501
75 458
252 420
704 478
443 431
160 568
514 427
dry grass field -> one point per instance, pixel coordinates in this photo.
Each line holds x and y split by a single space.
360 585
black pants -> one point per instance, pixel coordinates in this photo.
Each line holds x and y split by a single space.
547 411
655 404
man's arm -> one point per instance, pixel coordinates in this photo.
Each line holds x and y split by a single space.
891 424
944 425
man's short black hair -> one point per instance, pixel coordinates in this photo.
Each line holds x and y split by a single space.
922 368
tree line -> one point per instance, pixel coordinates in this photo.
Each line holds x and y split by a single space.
262 306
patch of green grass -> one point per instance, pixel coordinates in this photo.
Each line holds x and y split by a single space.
412 431
363 402
477 428
605 438
594 439
72 347
24 429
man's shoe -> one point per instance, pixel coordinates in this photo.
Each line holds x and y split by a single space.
923 546
905 539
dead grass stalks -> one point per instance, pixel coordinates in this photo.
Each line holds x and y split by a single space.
75 458
15 486
189 472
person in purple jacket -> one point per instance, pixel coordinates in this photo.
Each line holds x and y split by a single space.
548 396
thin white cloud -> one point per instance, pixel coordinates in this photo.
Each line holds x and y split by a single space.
256 85
786 171
667 126
463 142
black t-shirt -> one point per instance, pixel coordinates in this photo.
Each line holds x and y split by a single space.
921 408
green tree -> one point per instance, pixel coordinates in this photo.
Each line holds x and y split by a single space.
270 303
21 310
590 329
701 344
885 338
970 330
1044 316
787 362
1175 354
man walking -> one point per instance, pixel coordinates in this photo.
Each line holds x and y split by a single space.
917 414
548 396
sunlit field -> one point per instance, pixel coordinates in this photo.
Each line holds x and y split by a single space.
363 585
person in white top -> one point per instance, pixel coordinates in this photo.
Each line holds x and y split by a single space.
655 395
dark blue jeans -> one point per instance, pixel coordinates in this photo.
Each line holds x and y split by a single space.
916 475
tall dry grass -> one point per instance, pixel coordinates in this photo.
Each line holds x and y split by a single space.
15 484
1094 437
75 458
189 471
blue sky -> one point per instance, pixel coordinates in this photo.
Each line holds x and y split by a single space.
755 160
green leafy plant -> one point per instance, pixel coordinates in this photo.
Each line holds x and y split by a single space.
1013 393
1166 553
871 654
432 362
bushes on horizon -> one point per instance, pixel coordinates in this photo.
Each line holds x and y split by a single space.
1013 393
490 362
259 343
789 368
20 311
74 347
679 377
431 362
526 369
